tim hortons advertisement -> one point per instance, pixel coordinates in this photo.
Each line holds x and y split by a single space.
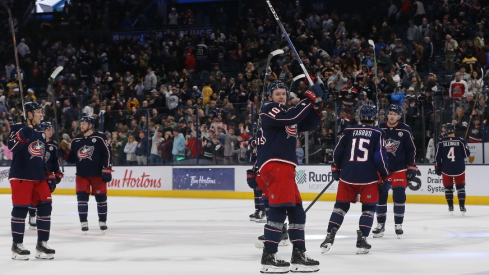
203 179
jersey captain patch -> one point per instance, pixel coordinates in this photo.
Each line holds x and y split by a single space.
85 152
391 145
36 149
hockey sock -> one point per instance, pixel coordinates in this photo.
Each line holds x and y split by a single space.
43 221
399 197
101 207
449 195
18 223
297 222
339 212
461 194
367 218
258 202
382 206
273 228
32 211
266 205
82 198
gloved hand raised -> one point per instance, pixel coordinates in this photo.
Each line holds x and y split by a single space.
251 178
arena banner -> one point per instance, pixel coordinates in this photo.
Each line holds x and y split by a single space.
476 153
203 179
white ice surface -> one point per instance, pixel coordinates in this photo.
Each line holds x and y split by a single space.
204 236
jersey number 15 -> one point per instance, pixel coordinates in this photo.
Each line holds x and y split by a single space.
361 146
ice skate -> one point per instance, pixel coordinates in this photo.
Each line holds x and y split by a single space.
43 251
103 225
271 264
379 230
253 215
399 230
300 262
261 217
32 222
19 252
84 226
328 242
463 210
450 209
362 245
283 238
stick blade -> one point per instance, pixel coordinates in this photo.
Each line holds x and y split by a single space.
371 43
56 72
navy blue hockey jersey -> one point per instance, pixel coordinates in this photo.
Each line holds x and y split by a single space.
28 155
91 154
399 144
52 156
280 127
360 154
450 155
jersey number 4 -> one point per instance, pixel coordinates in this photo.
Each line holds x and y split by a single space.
361 147
451 154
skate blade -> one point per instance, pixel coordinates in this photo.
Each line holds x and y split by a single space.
380 235
252 219
296 268
399 236
32 227
18 257
326 248
270 269
260 244
260 220
44 256
362 251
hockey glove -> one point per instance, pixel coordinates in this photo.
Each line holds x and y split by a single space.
251 178
412 172
107 174
25 134
51 180
335 172
385 183
438 170
318 90
59 176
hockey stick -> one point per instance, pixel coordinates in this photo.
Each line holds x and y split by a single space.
371 43
295 79
51 79
319 195
12 30
290 43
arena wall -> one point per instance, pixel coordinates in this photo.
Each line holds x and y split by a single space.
229 182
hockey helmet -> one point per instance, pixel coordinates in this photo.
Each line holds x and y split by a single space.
45 125
368 113
32 106
87 119
277 84
394 108
449 128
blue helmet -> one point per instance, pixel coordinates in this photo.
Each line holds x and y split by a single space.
449 128
394 108
87 119
277 84
45 125
32 106
368 113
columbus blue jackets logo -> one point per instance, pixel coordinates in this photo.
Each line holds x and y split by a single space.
36 149
46 157
291 130
85 152
391 145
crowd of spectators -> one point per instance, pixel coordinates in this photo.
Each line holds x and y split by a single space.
173 98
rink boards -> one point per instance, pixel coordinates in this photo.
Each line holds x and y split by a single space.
229 182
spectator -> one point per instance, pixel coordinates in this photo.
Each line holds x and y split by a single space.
130 150
149 81
173 17
458 87
142 149
475 83
299 152
155 153
122 140
450 49
165 147
178 150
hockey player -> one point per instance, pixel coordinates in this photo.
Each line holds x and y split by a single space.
360 148
91 152
276 162
401 153
31 183
52 157
450 157
251 175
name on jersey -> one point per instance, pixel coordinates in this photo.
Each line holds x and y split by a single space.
450 143
364 133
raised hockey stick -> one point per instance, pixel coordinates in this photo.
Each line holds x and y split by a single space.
371 43
319 195
12 30
51 79
290 43
295 79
